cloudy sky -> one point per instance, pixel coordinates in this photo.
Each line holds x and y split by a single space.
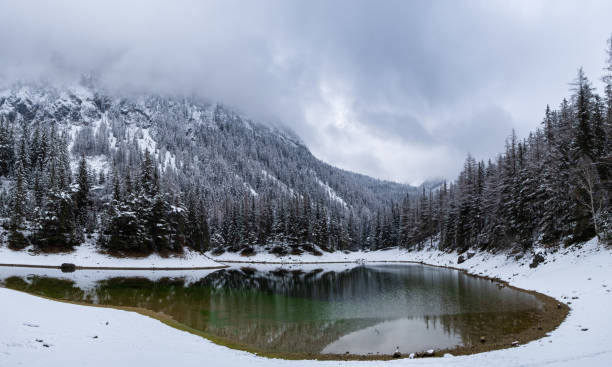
400 90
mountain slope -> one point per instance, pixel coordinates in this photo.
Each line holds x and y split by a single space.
200 151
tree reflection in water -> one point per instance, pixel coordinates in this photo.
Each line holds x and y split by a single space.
365 309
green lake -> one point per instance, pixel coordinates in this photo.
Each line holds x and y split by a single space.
309 310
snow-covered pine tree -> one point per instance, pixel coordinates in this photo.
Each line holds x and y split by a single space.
7 143
82 199
56 228
16 239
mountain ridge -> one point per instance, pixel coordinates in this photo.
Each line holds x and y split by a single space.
195 146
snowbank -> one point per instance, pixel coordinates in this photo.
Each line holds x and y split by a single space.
88 336
88 279
87 255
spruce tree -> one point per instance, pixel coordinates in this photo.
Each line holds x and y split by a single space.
19 209
57 228
7 153
583 140
82 199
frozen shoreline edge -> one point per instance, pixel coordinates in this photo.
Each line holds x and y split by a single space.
582 272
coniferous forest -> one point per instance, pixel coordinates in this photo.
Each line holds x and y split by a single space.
145 174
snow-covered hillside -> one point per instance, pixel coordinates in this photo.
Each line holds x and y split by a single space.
208 166
40 332
230 151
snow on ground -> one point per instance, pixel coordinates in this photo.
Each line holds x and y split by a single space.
95 164
72 131
337 256
87 255
250 189
331 193
87 279
169 161
276 181
142 137
125 338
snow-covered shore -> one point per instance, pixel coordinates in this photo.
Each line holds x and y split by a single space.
87 255
80 335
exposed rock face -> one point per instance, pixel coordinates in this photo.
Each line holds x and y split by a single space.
397 353
537 260
67 267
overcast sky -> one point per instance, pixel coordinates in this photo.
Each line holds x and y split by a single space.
399 90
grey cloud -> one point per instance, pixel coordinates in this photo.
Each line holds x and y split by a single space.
388 125
432 76
480 133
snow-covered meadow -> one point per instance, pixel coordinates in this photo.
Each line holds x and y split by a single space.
88 255
39 332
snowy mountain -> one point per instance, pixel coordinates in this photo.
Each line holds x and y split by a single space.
233 154
145 173
207 150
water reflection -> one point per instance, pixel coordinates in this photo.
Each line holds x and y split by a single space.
360 309
408 334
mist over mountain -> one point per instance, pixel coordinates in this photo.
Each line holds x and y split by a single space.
151 173
198 154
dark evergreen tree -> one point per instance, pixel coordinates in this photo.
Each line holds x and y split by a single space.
82 199
57 228
19 210
7 152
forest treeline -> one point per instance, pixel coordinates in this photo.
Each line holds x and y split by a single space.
553 186
238 185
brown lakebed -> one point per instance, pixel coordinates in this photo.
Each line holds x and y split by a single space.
327 312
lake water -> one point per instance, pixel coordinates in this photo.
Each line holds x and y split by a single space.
316 309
